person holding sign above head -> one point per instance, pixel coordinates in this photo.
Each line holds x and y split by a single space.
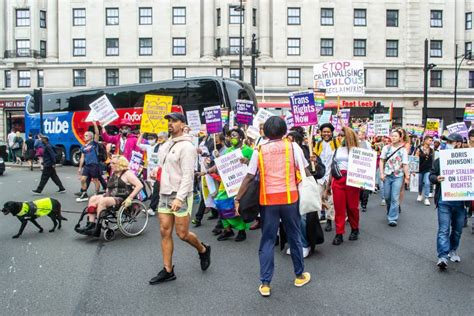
393 170
451 214
125 142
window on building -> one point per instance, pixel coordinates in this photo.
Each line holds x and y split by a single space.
235 15
40 78
471 79
111 46
392 18
234 45
391 78
43 49
467 47
436 18
42 19
179 46
327 16
294 16
360 17
436 48
146 46
145 16
23 48
360 47
8 78
24 79
179 15
112 77
22 17
111 16
436 78
235 73
79 47
327 47
219 72
79 77
392 48
218 17
293 46
179 73
469 21
254 17
146 75
79 17
293 77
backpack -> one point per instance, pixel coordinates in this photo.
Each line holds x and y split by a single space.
101 152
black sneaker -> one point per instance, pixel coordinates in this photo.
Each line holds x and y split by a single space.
205 258
163 276
354 234
323 217
63 190
226 235
84 197
392 224
36 192
328 227
241 236
364 209
196 222
216 231
210 218
78 193
338 240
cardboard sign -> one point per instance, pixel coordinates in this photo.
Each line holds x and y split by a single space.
413 164
213 119
459 128
432 127
337 123
155 107
340 77
261 117
303 108
382 124
244 112
231 171
102 111
457 168
361 168
194 120
469 112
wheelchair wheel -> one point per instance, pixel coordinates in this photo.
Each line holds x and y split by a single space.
109 234
132 220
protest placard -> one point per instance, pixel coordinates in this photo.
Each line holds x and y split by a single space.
213 119
135 162
370 129
253 132
231 171
413 164
194 120
416 130
382 124
361 168
231 119
457 168
319 99
459 128
343 120
303 108
244 112
103 111
325 117
340 77
469 112
414 178
432 127
289 120
261 117
155 107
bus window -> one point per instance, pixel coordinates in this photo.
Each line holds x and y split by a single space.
176 89
204 92
238 91
53 103
119 99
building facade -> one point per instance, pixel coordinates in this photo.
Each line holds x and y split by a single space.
75 44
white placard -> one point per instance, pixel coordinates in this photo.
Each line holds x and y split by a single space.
231 119
361 168
457 168
253 132
194 120
382 124
414 182
325 117
231 171
103 110
340 77
261 117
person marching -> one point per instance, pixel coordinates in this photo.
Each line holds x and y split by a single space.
29 150
425 153
125 142
364 194
177 158
49 168
89 163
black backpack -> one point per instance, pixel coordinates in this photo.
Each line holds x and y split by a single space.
101 152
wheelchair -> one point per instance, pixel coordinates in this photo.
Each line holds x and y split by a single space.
131 221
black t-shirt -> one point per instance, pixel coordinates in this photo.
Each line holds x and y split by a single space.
30 144
426 161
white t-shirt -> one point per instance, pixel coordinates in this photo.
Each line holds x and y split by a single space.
300 160
326 158
342 158
11 138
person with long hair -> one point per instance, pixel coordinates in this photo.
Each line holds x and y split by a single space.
345 198
393 166
405 141
425 154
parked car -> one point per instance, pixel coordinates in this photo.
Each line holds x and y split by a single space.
2 166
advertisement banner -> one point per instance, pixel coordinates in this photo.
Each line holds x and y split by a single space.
244 112
213 117
303 108
102 111
459 128
231 171
340 77
155 107
382 124
361 168
456 166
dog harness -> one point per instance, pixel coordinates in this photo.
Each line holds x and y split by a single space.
38 208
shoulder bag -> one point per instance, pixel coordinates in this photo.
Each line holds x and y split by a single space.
335 171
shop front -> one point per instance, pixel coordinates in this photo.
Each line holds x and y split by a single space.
12 113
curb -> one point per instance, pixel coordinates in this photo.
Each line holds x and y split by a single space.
24 166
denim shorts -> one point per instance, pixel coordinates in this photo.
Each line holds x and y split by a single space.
164 206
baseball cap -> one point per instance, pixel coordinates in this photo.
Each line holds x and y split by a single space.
455 137
175 116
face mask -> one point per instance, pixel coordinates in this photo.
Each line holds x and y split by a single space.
227 143
219 146
449 146
124 133
152 142
234 142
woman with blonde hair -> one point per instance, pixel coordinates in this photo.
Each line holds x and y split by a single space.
122 187
346 198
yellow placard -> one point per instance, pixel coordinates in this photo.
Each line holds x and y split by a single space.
155 107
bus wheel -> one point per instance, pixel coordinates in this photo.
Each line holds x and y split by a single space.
60 156
75 156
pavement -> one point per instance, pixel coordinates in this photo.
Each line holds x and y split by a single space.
387 271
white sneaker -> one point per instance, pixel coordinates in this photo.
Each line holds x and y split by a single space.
442 263
419 198
288 251
430 195
453 256
427 202
306 252
150 212
383 203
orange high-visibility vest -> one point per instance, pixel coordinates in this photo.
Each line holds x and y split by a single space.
277 173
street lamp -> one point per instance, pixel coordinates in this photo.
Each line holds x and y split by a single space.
427 67
467 55
241 9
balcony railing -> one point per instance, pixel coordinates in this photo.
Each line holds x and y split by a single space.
233 51
23 53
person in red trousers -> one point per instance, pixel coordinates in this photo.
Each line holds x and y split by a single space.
346 198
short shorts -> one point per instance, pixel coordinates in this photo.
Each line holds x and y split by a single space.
164 206
91 171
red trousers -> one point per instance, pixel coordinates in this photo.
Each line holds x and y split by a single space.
346 199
